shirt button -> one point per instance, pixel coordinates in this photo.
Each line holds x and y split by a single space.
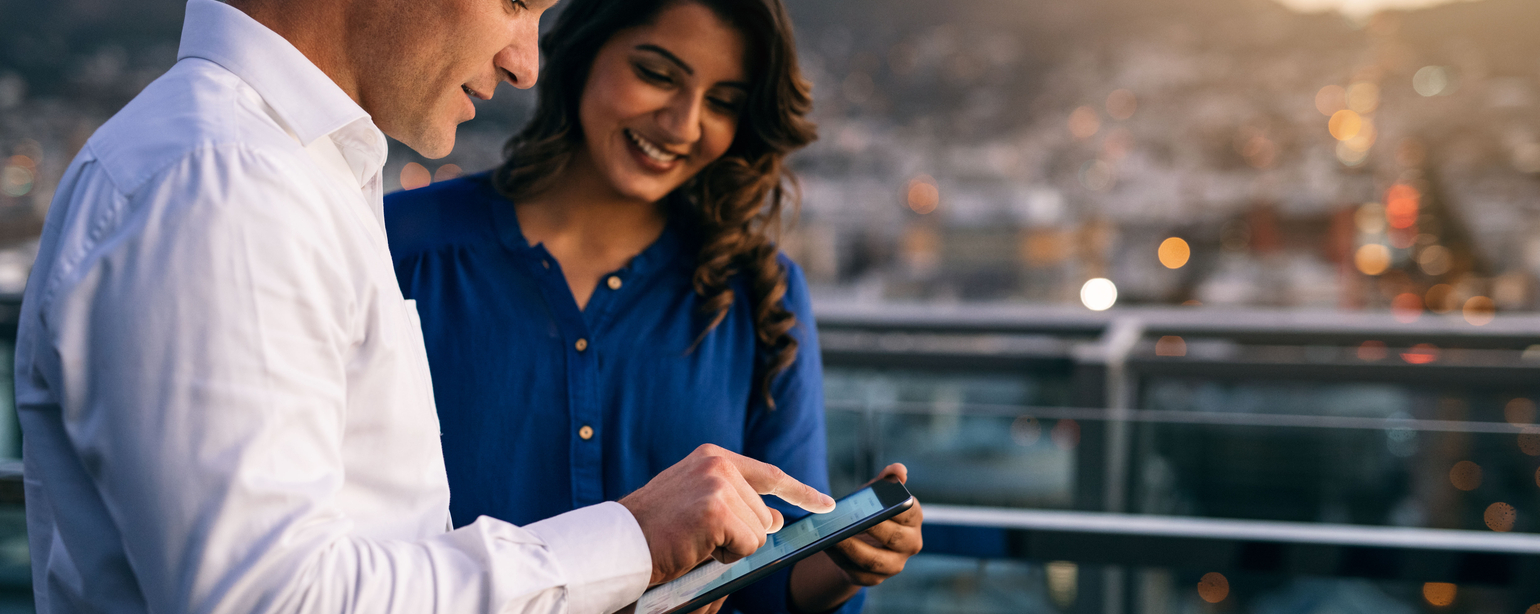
545 263
586 433
582 344
614 282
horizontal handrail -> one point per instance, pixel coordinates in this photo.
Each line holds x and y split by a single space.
1238 530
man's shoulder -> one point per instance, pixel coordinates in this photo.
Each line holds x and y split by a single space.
196 108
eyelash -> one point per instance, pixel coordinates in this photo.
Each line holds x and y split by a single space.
657 77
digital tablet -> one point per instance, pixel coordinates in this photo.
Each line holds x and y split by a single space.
711 581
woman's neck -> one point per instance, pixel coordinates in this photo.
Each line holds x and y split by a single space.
588 227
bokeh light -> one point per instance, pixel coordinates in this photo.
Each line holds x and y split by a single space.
1519 412
1401 205
1099 294
447 172
1431 81
1331 99
1439 298
1344 124
1371 351
1174 252
1435 260
1465 475
1479 311
1350 157
1065 434
1372 259
17 176
1420 354
1406 307
1026 430
1364 139
1363 97
1171 345
1121 104
414 176
1439 593
1370 218
1529 441
1096 175
1500 517
922 194
1083 123
1214 587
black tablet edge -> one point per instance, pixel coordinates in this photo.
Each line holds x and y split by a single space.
811 549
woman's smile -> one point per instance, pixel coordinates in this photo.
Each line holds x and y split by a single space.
650 155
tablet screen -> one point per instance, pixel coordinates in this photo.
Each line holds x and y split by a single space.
789 539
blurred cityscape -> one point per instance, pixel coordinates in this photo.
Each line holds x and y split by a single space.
1197 152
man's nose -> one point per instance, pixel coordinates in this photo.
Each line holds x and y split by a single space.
520 60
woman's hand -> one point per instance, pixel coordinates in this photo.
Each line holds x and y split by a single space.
826 580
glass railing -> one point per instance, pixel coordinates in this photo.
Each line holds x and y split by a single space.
1330 463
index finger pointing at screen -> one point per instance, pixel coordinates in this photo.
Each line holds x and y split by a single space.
770 480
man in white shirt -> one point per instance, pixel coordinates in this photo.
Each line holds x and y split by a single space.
225 399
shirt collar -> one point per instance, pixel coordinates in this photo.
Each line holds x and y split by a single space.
304 98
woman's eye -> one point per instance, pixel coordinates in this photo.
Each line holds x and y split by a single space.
653 75
726 106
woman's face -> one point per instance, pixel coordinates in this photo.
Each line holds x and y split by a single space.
662 101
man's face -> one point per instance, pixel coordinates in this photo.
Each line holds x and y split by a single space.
422 61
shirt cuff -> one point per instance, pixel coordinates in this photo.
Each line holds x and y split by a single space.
602 553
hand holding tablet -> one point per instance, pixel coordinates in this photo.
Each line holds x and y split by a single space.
853 514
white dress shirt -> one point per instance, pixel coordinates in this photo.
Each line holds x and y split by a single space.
225 400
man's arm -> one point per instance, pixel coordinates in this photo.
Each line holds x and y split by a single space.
201 368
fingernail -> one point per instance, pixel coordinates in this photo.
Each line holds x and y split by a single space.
829 501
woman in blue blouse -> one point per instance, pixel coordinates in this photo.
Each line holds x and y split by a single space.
610 298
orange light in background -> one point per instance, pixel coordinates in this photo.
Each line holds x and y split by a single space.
414 176
1370 218
1364 139
1465 475
1479 311
1174 252
1519 411
1529 441
1438 298
1363 97
1083 123
1214 587
1344 125
1372 259
923 195
1420 354
1406 307
447 172
1439 593
1401 206
1121 104
1435 260
1330 99
1402 238
1500 517
1065 434
1171 345
1371 351
23 162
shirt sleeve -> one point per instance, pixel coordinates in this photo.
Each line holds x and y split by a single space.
198 346
792 437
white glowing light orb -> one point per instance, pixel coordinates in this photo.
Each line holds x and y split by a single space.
1099 294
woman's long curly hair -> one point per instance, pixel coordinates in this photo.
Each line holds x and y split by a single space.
737 200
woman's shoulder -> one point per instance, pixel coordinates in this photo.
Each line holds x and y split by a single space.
797 300
453 212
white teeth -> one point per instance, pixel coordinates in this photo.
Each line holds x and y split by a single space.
651 150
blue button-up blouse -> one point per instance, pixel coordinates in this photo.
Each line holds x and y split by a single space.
545 408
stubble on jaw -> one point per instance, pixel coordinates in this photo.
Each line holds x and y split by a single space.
399 51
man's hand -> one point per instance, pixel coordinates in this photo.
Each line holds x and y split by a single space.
708 506
828 579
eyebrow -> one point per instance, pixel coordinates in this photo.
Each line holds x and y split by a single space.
667 55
